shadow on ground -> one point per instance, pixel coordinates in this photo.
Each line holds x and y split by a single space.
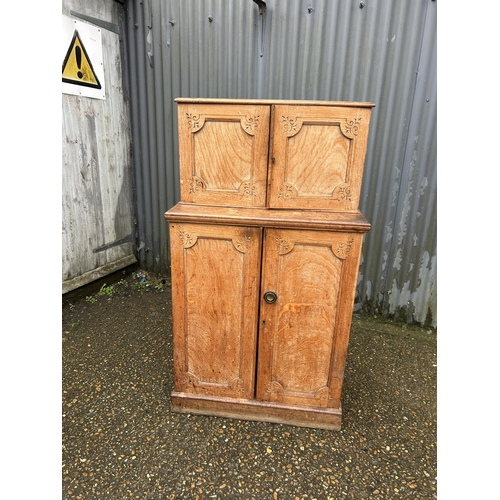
122 441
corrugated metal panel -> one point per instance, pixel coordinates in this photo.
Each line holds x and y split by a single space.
411 272
399 191
379 51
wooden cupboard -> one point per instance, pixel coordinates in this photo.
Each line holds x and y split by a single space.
265 252
275 154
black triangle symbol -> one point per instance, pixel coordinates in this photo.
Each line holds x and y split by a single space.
77 68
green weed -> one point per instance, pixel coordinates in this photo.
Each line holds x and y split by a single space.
141 287
107 290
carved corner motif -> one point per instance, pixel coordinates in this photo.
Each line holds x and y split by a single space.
196 185
189 381
187 239
342 193
236 384
194 122
242 243
351 128
250 124
322 395
290 125
283 246
342 249
286 192
248 188
275 391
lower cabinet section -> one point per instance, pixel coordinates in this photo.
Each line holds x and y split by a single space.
261 321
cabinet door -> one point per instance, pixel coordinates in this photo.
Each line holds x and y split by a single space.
317 157
304 334
215 294
223 152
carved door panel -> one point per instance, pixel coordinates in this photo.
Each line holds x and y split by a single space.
317 156
223 151
303 334
215 295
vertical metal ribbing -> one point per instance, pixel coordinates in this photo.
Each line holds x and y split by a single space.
336 51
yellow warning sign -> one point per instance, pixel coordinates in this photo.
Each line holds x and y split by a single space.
77 68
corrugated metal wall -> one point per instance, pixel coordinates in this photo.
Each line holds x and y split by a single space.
382 51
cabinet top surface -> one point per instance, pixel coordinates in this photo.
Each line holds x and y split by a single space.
196 100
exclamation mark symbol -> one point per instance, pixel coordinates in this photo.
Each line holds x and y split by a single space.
78 54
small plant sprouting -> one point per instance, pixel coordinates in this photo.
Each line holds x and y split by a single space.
141 287
91 299
107 290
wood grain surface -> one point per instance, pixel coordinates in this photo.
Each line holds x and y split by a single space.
297 342
223 153
215 289
317 157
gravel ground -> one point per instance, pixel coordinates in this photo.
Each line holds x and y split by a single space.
121 440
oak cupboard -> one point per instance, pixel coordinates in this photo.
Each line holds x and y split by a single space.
265 250
275 154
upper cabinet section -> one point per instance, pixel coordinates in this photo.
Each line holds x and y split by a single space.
317 157
223 152
273 154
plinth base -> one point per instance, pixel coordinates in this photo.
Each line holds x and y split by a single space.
244 409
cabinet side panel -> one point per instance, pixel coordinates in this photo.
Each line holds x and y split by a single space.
178 302
215 337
